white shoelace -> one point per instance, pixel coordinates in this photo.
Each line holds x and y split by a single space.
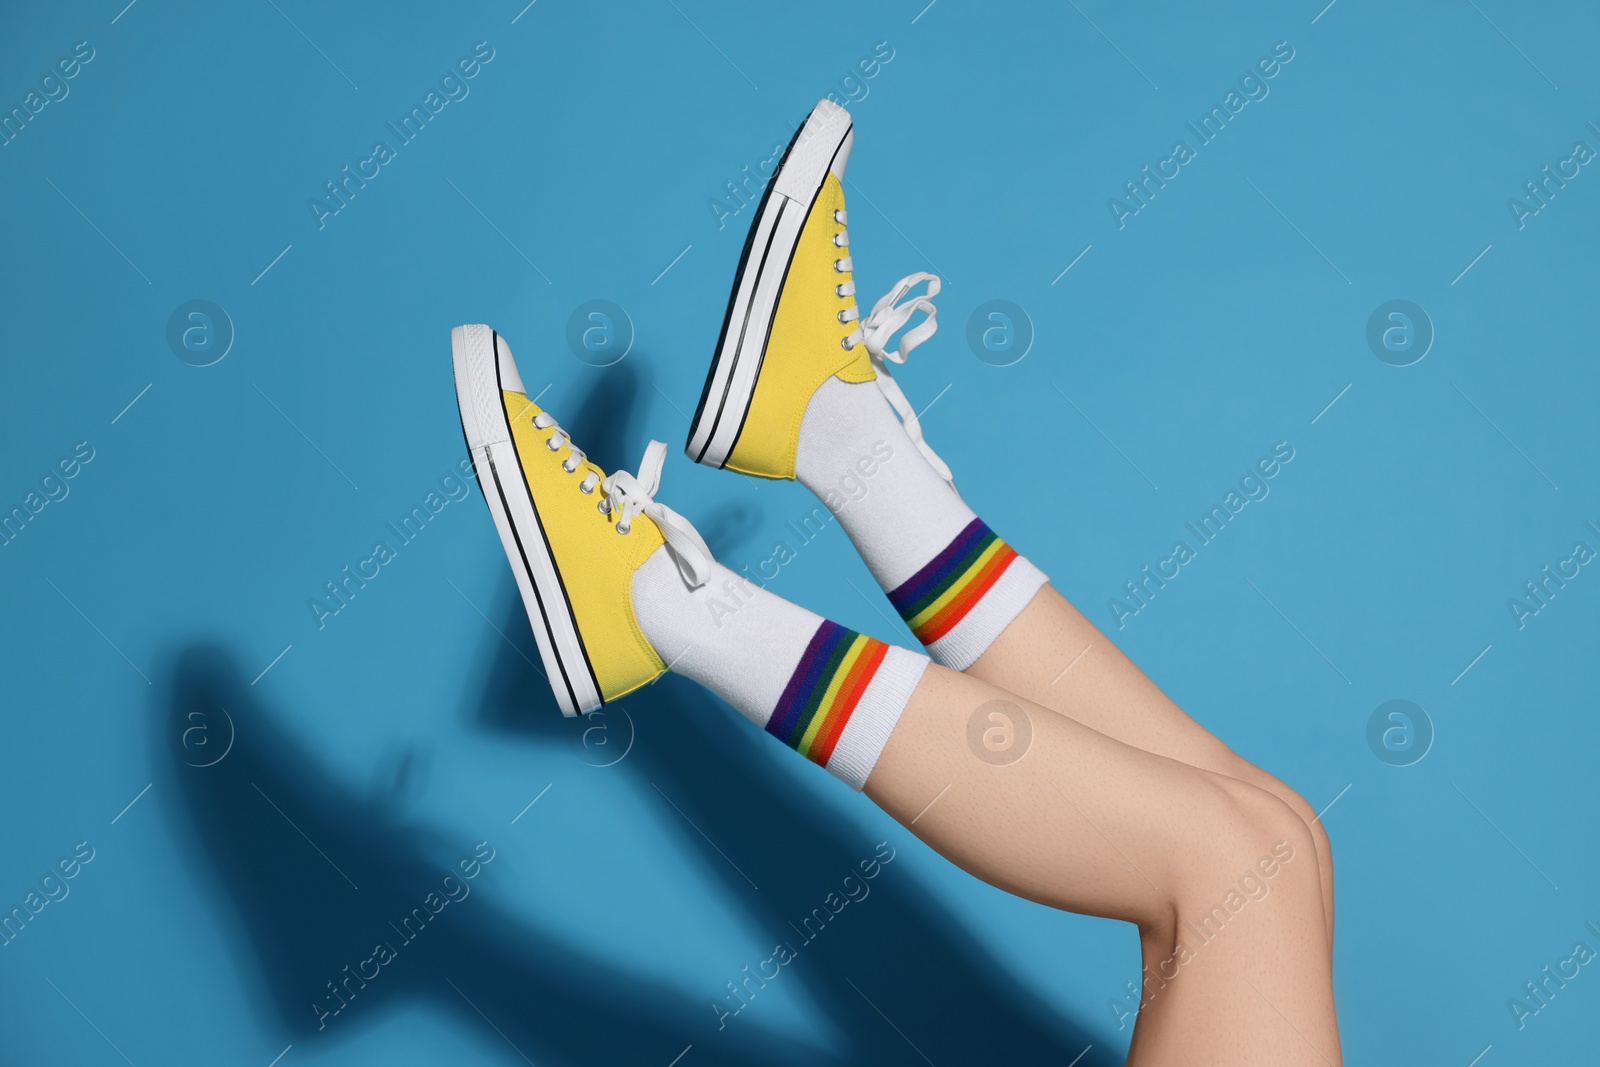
635 494
628 495
890 313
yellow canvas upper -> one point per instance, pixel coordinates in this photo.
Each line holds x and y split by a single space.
596 562
805 347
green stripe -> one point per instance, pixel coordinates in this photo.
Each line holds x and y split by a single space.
957 574
825 679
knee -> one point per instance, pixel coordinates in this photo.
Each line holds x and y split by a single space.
1287 834
1319 836
1231 842
1263 840
1320 846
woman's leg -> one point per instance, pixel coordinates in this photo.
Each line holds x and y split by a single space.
1220 877
979 607
1055 657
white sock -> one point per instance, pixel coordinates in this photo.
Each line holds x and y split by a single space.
829 693
957 585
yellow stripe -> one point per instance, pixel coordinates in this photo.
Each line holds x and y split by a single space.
956 587
831 694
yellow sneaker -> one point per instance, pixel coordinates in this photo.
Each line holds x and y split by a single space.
791 309
792 320
573 535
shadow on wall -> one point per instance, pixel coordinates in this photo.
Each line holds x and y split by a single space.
604 425
902 948
299 917
296 915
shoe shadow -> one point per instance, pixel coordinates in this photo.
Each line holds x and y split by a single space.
602 423
288 848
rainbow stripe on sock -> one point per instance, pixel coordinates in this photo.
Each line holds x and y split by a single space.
825 688
941 594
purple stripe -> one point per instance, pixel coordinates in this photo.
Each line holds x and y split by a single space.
918 584
804 679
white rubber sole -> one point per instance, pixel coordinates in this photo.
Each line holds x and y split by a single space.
763 268
477 358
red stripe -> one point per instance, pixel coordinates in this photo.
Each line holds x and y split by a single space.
866 668
957 609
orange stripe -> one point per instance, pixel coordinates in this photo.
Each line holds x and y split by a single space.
828 698
857 684
957 609
847 681
982 560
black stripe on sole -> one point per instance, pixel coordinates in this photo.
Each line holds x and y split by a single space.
733 364
771 319
744 258
733 367
572 617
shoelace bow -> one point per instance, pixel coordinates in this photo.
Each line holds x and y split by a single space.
892 311
635 494
627 495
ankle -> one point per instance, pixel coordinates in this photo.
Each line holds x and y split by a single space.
857 458
846 435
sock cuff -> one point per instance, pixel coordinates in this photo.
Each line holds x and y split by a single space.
964 597
988 619
876 716
843 699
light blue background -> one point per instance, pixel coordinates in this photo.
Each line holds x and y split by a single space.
408 729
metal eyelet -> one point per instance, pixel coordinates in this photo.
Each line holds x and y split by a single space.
838 291
836 242
623 529
846 345
570 470
586 489
836 266
550 443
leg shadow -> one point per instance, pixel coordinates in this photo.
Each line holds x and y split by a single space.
287 850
